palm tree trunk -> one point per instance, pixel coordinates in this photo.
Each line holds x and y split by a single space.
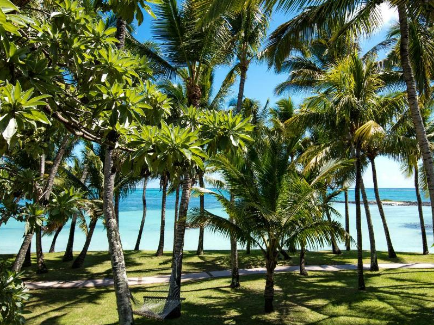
347 222
243 74
361 280
42 268
271 263
248 247
303 270
179 241
19 259
413 102
28 258
374 262
235 282
175 222
419 207
390 249
121 31
78 262
335 248
163 217
202 210
117 199
53 242
142 223
122 290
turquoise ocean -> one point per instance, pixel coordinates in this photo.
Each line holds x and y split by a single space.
403 224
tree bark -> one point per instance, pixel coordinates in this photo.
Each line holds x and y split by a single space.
235 282
142 223
420 210
347 222
42 268
303 270
53 242
19 260
241 87
122 290
271 263
335 248
360 277
121 31
413 102
374 262
248 247
390 249
179 242
176 217
28 258
202 210
78 262
117 201
160 249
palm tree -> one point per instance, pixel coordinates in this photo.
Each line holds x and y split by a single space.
274 204
142 223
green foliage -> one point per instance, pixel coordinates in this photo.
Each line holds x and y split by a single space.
13 295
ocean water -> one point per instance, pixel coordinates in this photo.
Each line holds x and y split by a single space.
403 225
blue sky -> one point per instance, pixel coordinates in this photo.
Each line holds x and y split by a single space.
261 82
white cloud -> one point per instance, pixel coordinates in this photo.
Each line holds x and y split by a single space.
388 13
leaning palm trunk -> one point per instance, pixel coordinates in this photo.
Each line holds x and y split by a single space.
419 208
175 219
117 202
374 262
21 256
413 102
163 217
202 209
122 290
53 242
80 258
347 222
243 75
303 270
142 223
28 258
174 289
361 280
390 249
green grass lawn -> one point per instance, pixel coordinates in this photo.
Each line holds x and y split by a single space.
392 297
97 264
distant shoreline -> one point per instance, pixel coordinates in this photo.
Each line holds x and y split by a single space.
392 203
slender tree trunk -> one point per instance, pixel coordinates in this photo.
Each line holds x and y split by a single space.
69 255
390 249
303 270
53 242
271 263
179 240
360 277
78 262
374 262
163 217
122 290
28 258
413 102
19 260
202 210
175 222
248 247
419 208
347 222
121 31
142 223
243 74
42 268
235 282
335 248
